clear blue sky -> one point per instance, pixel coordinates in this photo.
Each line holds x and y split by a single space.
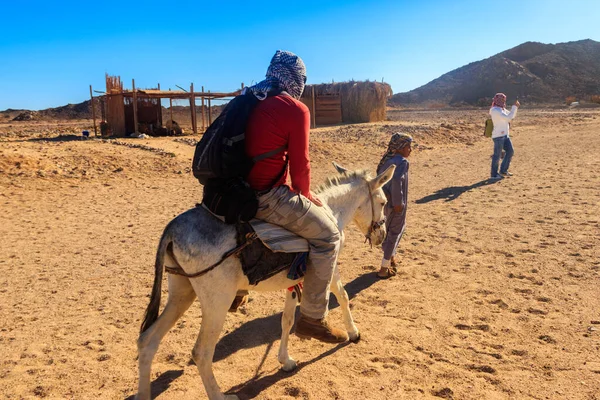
50 52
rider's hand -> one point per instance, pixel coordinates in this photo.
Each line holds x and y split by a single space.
398 209
517 104
316 201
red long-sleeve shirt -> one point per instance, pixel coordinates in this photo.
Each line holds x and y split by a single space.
278 121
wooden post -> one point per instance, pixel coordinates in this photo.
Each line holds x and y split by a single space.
171 109
105 101
193 108
314 109
93 112
135 116
160 120
209 110
203 118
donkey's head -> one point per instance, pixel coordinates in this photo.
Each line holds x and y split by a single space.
370 217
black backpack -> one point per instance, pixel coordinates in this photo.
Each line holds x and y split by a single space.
221 164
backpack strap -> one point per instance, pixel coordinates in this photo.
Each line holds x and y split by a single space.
231 141
269 154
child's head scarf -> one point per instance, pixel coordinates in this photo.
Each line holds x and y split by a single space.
397 141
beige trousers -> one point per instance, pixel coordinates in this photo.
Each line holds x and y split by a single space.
294 212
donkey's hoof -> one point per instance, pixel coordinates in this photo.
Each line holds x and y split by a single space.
355 337
142 396
289 365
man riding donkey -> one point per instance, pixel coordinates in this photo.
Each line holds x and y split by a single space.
280 125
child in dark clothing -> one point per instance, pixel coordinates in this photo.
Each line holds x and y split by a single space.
396 191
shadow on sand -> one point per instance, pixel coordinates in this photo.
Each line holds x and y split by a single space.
254 386
60 138
453 192
260 331
271 331
255 333
161 383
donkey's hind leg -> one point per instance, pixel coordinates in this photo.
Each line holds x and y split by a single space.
287 320
215 299
181 296
337 288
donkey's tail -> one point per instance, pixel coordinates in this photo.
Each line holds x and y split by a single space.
152 311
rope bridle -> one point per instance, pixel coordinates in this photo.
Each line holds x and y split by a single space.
374 225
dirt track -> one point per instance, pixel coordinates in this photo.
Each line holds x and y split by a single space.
498 296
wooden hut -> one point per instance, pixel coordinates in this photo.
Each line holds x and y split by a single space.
140 110
346 102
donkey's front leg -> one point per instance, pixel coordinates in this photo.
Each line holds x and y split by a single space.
215 301
287 320
337 288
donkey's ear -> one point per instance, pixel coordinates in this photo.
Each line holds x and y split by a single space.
383 178
339 168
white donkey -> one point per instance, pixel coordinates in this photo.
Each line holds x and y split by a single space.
195 240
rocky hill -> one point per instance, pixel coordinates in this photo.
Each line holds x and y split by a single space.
536 72
84 111
70 111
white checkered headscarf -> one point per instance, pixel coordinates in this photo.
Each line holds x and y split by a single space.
286 72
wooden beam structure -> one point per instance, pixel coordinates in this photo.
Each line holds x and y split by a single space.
313 118
203 113
193 108
93 111
209 111
174 94
115 103
171 111
135 116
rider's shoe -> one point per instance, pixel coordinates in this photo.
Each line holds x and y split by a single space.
311 328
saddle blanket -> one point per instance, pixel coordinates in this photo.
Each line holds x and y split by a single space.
279 239
276 251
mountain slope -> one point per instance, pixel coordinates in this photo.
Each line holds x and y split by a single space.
534 71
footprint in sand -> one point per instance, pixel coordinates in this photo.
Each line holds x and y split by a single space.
524 291
465 327
536 311
391 362
482 368
497 356
295 391
546 338
520 353
544 299
500 303
445 393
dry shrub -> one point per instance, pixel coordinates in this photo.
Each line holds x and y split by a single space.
595 99
570 99
436 106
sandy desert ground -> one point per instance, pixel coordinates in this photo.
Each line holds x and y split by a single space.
498 295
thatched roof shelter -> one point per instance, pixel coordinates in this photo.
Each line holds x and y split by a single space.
349 102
